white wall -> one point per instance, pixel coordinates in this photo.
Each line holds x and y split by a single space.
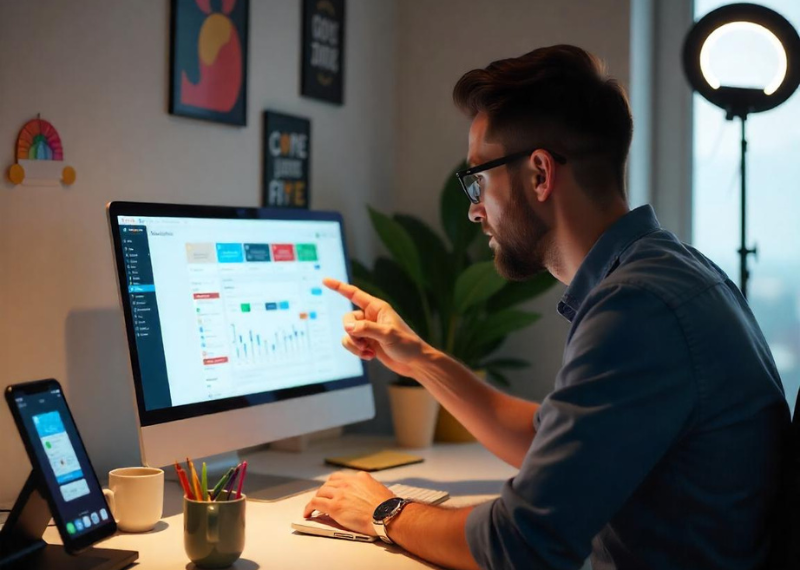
98 71
440 40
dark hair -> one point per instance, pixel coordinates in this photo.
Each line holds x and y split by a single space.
558 97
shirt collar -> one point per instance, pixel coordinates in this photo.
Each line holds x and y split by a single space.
602 258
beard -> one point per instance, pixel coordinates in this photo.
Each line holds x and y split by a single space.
521 246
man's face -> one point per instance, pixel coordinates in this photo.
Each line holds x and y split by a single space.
519 237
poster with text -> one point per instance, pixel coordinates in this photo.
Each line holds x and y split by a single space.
323 50
287 142
208 65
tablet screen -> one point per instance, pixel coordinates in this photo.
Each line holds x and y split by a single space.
56 451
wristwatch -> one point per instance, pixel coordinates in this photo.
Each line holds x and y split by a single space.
384 513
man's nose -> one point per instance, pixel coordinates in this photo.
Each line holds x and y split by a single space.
476 213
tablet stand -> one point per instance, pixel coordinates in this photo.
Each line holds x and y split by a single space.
22 546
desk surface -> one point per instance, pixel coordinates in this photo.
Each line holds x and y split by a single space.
467 471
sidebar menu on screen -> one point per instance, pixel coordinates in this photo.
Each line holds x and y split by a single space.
144 316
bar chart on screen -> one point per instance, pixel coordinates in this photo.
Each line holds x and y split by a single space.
275 323
259 336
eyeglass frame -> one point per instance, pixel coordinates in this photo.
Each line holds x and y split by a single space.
499 162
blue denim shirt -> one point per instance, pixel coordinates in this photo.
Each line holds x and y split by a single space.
659 447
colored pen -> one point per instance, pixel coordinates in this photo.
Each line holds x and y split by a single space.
183 481
195 480
204 482
241 480
189 481
178 473
231 481
220 485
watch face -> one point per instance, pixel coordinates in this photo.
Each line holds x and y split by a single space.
386 508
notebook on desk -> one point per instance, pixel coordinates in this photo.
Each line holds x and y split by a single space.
323 525
385 459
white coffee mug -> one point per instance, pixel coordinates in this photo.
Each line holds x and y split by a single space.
136 497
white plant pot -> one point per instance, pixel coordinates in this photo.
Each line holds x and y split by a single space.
414 413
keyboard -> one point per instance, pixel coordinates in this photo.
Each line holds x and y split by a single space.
419 494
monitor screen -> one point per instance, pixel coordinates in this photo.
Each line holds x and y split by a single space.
225 307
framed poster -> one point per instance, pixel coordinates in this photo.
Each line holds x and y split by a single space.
322 75
287 147
208 60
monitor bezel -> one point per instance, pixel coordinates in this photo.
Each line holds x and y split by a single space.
152 209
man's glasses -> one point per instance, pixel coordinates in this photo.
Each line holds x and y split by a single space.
471 182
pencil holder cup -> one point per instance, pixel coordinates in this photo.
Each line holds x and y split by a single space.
213 532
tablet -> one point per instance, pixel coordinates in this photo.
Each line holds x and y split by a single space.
67 480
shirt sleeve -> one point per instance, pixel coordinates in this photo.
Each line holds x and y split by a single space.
623 396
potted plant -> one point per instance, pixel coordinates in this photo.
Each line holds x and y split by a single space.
449 292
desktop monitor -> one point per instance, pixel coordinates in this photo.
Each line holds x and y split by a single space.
233 339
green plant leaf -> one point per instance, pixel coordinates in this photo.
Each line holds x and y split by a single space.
480 250
506 363
498 325
364 280
516 292
473 357
464 349
497 377
389 276
399 244
454 210
373 289
435 259
476 284
360 271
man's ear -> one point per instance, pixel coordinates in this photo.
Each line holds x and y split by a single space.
543 168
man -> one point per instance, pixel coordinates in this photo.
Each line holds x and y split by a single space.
659 446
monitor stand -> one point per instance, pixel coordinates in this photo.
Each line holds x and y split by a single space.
22 546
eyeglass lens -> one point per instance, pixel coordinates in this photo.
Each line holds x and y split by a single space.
473 187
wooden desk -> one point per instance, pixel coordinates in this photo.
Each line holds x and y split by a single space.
467 471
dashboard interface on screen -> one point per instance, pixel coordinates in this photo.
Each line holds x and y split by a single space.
224 308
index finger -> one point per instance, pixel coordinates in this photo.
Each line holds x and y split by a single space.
357 296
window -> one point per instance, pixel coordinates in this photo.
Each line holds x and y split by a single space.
773 205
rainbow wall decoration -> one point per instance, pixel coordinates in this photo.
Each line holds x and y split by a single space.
40 157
